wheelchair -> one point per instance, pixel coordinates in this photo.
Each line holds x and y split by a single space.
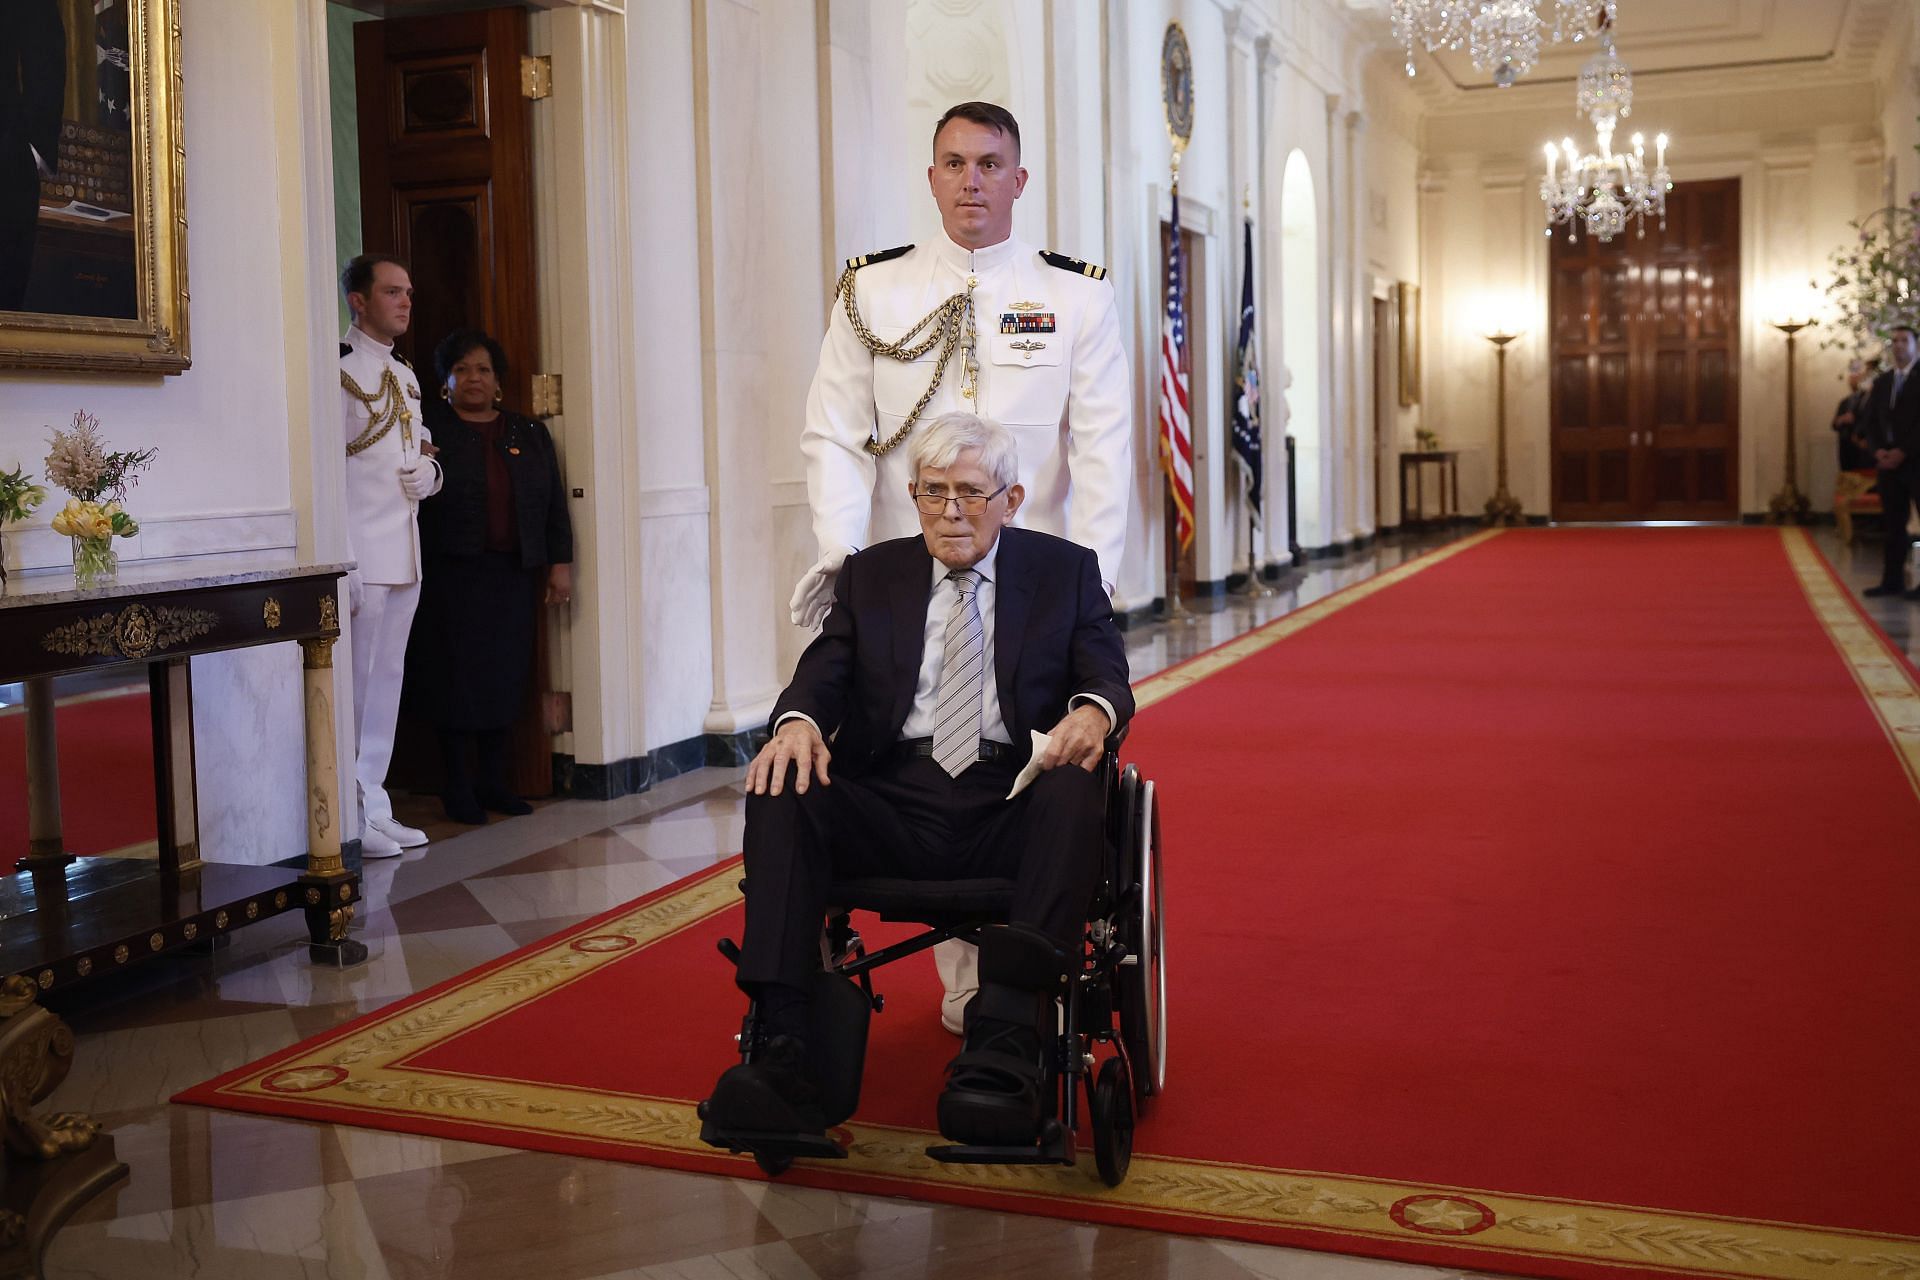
1117 997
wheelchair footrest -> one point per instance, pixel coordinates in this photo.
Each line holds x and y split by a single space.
1055 1147
808 1146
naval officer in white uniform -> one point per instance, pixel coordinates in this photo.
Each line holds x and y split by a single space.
390 468
977 321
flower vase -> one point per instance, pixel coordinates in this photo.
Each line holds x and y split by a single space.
94 561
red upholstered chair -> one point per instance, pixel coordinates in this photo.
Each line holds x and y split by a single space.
1850 498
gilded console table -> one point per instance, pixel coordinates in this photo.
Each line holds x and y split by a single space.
65 920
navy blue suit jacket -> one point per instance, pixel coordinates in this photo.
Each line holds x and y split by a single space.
1054 637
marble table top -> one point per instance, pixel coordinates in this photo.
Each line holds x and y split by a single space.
150 577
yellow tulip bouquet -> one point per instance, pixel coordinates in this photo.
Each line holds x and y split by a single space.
78 461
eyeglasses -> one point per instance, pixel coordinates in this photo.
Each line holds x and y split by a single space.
971 504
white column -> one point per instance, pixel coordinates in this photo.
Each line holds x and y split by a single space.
1361 516
1337 407
1267 300
1243 173
729 145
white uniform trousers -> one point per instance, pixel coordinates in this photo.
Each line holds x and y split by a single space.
380 627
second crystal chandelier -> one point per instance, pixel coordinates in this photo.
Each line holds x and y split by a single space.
1601 190
1503 37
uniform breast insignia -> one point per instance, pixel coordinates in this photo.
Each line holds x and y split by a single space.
1075 265
1031 322
884 255
1029 346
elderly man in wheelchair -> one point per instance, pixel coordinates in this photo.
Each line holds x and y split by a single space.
941 658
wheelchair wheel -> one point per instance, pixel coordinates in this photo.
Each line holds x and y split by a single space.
1142 980
772 1166
1111 1100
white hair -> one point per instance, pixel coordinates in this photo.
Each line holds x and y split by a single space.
952 434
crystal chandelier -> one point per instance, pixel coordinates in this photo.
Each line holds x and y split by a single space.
1603 190
1606 88
1502 36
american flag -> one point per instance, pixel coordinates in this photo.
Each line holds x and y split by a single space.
1176 427
1246 402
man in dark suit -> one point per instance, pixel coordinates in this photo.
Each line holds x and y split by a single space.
33 85
938 657
1853 453
1891 426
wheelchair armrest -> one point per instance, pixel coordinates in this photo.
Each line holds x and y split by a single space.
1118 736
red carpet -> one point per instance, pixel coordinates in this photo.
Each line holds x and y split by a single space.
1547 905
106 775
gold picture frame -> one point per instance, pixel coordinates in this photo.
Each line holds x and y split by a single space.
1406 299
106 284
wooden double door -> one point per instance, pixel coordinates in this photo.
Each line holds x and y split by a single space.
446 185
1645 365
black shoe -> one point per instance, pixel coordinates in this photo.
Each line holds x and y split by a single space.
461 806
996 1094
500 800
1884 589
774 1093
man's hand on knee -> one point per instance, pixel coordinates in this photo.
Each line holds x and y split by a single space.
1081 738
796 743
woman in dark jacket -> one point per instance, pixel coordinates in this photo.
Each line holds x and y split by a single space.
495 540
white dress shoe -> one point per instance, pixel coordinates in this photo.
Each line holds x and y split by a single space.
375 845
399 832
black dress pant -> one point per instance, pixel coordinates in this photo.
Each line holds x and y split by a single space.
1896 498
909 820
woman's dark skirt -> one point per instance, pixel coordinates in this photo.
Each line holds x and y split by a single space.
471 651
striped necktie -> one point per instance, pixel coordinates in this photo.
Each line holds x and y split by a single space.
957 713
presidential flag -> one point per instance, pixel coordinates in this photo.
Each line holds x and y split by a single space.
1176 427
1246 382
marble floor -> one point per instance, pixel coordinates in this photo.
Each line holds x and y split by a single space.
219 1195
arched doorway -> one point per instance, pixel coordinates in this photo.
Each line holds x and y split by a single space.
1300 324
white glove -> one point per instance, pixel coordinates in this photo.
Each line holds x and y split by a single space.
356 592
417 480
814 594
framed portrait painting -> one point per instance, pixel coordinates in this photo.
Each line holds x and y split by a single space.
93 230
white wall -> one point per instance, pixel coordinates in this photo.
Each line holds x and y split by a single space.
1807 163
225 475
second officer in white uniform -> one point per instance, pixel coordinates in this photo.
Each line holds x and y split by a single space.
977 321
389 470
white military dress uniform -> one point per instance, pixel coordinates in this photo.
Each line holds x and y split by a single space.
1047 363
1051 369
380 407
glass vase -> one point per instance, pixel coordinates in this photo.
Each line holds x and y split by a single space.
94 561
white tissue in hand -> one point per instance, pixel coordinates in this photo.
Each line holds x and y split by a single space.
1040 743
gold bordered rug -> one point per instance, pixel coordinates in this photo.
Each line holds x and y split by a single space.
1498 939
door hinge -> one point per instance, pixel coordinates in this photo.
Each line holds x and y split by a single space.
536 76
546 395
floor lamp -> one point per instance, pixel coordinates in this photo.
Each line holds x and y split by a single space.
1502 508
1790 506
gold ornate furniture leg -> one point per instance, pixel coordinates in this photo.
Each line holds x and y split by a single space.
54 1162
330 891
46 843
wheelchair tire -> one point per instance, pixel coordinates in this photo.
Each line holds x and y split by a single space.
1142 982
772 1166
1111 1104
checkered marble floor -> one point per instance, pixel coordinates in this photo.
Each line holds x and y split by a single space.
217 1195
